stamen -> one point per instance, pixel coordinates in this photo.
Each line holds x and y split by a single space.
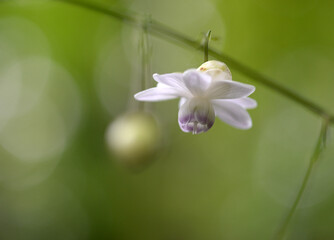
195 127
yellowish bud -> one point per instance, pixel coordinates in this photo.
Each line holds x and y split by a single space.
218 70
133 137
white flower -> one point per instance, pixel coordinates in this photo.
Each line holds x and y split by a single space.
205 93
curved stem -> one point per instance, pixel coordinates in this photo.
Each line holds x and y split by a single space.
315 157
170 34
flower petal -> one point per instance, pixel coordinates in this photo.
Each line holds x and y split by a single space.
170 79
161 85
246 102
224 89
196 82
182 101
232 114
157 94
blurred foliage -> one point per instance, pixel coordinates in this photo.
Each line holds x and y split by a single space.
67 72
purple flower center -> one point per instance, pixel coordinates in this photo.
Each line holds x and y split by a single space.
196 118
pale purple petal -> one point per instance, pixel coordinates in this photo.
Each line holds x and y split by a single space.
161 85
196 82
170 79
157 94
224 89
232 114
246 102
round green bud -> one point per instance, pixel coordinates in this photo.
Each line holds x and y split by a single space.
133 138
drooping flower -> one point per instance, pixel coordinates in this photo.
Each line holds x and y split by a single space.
205 93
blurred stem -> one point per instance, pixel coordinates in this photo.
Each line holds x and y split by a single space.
172 35
321 143
145 54
206 45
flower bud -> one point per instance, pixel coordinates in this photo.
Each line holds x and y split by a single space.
216 69
133 138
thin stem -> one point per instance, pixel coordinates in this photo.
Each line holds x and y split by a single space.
170 34
206 45
315 157
143 59
144 48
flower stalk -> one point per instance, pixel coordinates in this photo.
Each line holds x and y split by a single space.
145 55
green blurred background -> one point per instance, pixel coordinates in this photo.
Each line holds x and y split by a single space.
67 72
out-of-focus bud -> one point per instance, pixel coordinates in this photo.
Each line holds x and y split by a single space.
216 69
134 138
